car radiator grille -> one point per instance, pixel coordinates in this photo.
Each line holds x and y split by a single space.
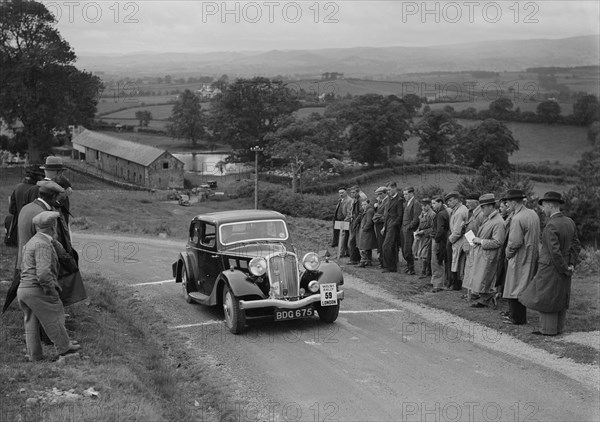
283 275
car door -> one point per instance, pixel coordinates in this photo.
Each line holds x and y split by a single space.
209 262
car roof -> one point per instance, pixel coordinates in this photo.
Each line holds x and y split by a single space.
239 215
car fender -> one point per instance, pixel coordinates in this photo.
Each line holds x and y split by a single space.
330 272
188 262
238 283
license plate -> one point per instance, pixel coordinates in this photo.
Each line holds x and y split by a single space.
285 314
329 294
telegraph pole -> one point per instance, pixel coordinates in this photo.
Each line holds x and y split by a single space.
256 150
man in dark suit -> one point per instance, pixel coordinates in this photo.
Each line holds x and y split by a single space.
391 229
24 193
440 266
410 223
550 290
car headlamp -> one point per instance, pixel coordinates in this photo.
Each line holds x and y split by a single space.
258 266
311 261
313 286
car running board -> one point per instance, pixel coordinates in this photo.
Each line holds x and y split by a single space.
200 298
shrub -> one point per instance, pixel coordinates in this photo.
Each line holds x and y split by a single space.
589 261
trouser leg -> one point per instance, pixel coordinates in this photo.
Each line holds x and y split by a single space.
32 333
517 311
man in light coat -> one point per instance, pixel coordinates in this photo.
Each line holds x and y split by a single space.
378 219
38 291
486 250
340 215
367 240
550 290
474 220
522 254
458 219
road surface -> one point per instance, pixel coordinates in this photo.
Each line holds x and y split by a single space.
383 360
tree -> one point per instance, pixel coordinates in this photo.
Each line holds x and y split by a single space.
489 180
40 86
501 108
375 126
247 110
549 111
586 110
144 117
413 101
593 133
488 142
436 132
188 118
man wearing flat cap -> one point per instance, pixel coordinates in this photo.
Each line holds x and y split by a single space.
486 250
550 290
458 219
378 219
522 254
38 291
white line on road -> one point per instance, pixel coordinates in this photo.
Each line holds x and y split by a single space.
176 327
371 311
152 282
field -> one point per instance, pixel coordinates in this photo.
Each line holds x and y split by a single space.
109 104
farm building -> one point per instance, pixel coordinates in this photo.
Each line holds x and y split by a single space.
129 161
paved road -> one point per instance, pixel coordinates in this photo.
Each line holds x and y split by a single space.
383 360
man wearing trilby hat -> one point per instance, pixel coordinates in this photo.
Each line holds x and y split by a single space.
550 289
521 252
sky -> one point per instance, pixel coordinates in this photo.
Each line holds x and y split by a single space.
120 27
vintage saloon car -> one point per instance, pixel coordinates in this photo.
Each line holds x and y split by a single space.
245 261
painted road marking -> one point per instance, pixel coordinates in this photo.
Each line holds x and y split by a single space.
372 311
176 327
153 282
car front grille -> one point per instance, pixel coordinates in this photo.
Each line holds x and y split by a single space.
283 276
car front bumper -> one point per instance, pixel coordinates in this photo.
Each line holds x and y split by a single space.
285 304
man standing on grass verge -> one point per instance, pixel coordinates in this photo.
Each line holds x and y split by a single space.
550 290
340 215
474 221
410 223
355 219
439 258
391 229
486 251
378 219
38 291
522 253
458 218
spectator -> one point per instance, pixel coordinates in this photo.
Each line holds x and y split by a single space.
355 219
38 290
378 219
410 223
550 290
23 194
367 240
506 214
391 229
422 244
474 220
486 251
522 254
458 219
439 258
339 216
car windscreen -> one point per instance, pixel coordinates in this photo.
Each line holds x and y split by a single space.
246 231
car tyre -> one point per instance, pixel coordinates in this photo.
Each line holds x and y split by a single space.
235 318
328 313
184 286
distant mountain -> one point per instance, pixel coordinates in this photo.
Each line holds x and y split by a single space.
357 61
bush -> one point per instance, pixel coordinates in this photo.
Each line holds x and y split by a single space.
280 199
589 262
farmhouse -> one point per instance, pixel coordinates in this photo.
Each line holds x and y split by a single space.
130 162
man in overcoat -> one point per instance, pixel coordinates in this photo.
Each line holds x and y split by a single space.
367 241
486 250
378 219
439 258
522 254
38 291
458 219
340 215
550 290
355 219
474 220
21 196
422 244
391 229
410 223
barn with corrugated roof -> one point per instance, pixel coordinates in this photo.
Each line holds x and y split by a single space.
128 161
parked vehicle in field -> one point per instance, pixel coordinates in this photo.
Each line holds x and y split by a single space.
244 260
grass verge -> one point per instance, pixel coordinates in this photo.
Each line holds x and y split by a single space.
127 358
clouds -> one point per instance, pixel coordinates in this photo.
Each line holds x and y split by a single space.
199 26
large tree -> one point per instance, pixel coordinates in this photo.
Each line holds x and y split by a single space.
187 117
40 86
488 142
586 110
549 111
247 110
436 132
376 126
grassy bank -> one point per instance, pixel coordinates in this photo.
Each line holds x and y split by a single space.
128 358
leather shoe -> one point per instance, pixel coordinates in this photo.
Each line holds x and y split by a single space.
72 349
385 270
539 333
437 289
411 272
478 305
421 277
353 263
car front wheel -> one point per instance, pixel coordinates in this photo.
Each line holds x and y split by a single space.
235 318
184 286
328 313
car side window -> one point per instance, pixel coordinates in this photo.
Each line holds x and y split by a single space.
195 232
209 235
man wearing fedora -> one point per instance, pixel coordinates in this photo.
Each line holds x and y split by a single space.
486 250
24 193
458 219
474 220
550 290
522 254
